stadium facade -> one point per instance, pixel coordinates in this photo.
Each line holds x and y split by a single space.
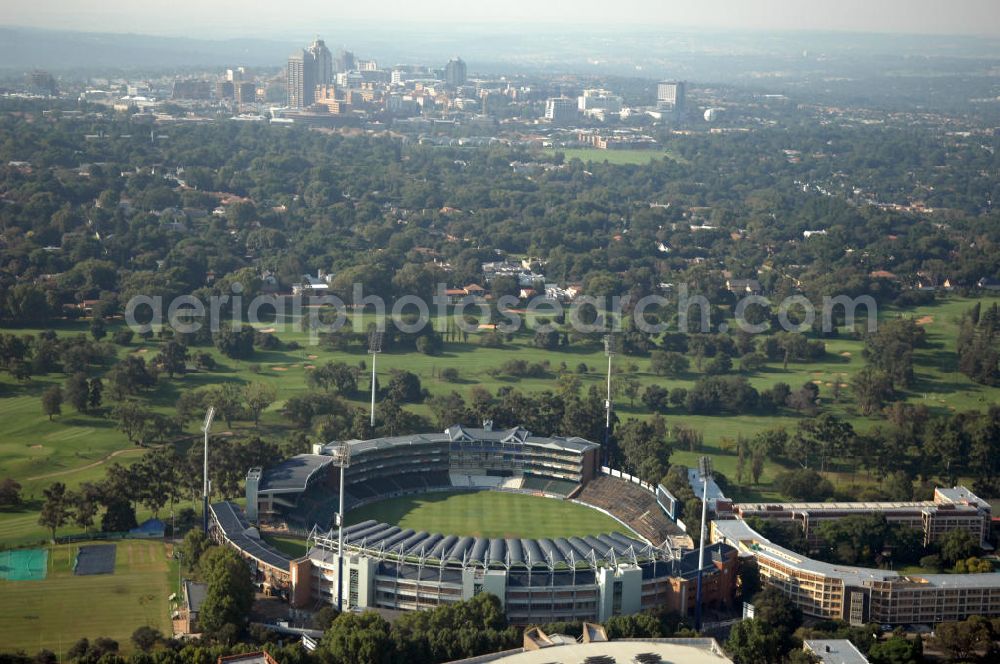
538 580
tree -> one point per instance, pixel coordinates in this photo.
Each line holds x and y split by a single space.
897 650
230 590
752 642
656 398
323 619
228 400
55 509
773 609
95 394
668 363
135 421
404 387
145 638
172 358
77 392
804 484
119 516
258 396
957 545
85 504
98 328
192 548
130 376
359 638
10 493
872 388
235 343
962 640
52 399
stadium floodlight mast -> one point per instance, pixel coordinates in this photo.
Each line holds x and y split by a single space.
374 347
705 473
609 350
205 428
342 459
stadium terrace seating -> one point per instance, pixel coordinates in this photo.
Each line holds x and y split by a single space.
512 483
632 504
548 485
533 483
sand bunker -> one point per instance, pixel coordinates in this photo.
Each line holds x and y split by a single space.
925 320
267 330
312 357
279 368
846 353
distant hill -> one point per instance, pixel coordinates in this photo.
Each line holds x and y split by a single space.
56 50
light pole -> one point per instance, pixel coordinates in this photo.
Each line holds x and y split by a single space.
374 347
609 350
705 473
341 459
205 428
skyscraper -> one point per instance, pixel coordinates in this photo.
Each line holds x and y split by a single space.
671 96
301 79
344 61
560 110
455 73
324 62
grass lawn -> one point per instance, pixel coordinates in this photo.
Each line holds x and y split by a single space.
57 611
635 157
74 448
489 514
292 546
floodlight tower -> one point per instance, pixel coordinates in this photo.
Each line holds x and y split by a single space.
374 347
205 428
341 459
705 473
609 350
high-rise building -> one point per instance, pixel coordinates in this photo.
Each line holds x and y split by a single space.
560 110
455 73
324 62
246 92
599 100
344 61
224 89
42 82
301 79
672 96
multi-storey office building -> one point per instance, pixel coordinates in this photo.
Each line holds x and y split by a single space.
857 594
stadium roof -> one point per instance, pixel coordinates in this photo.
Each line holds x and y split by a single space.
293 474
235 528
375 536
455 433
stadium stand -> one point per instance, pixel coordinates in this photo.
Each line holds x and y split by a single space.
303 491
631 504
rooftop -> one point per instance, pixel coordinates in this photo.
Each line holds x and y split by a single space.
835 651
457 433
688 651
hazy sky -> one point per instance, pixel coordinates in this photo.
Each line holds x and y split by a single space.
288 17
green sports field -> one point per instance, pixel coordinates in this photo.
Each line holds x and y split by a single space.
53 613
489 514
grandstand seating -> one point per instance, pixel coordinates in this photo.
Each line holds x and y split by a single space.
632 504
